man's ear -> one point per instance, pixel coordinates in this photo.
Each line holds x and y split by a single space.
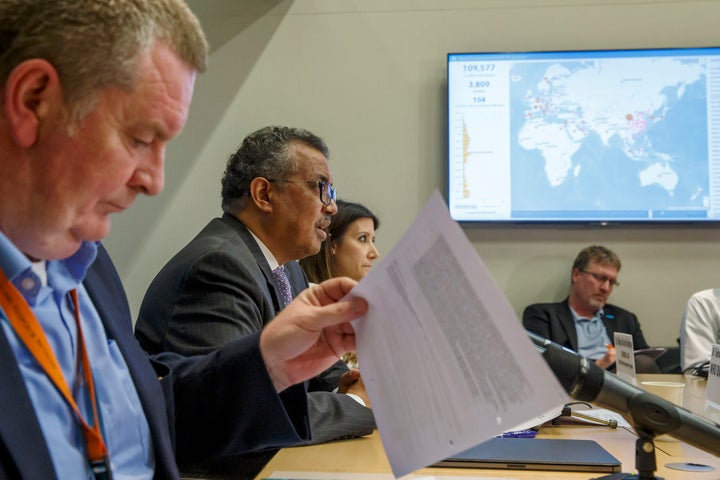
573 275
31 90
261 193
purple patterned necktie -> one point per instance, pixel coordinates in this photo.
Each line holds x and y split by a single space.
283 284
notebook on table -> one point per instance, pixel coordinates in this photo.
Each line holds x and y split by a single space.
536 454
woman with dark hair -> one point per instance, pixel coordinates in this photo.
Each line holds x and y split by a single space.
349 250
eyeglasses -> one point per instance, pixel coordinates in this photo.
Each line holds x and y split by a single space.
327 191
601 278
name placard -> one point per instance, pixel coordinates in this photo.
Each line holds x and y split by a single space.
624 356
713 386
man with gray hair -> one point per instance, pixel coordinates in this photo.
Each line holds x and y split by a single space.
234 277
91 93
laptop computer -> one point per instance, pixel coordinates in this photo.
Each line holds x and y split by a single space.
536 454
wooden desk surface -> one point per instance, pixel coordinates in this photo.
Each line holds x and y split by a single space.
367 455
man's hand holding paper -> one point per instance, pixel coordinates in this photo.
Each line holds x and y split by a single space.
445 361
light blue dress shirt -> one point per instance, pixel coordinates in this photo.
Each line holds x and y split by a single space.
592 335
124 427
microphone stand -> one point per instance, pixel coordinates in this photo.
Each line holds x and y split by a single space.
651 416
645 462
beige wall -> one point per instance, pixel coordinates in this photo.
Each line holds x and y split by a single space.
369 76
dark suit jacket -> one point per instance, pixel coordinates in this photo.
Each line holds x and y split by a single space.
220 288
554 321
178 409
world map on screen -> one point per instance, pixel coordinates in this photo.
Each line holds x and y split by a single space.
598 132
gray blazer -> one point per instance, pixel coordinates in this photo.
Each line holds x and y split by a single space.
220 288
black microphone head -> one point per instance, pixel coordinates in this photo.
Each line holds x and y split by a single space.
657 415
580 378
649 414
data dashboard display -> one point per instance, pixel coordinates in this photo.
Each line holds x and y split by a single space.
584 136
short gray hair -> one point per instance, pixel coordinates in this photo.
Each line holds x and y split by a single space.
95 44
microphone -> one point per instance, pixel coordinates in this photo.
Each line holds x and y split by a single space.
649 414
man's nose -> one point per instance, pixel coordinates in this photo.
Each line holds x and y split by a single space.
331 208
149 177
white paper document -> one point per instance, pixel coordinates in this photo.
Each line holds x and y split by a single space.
445 360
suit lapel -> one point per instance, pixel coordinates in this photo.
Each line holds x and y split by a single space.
610 322
269 288
296 275
108 296
566 320
20 431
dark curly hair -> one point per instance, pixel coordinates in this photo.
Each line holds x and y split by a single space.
263 153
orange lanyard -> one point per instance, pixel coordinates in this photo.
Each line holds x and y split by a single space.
28 328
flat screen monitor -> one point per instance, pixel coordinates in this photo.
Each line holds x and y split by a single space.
594 136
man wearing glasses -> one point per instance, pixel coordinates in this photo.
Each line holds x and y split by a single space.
241 270
584 321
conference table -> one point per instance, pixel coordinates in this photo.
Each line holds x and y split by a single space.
364 458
